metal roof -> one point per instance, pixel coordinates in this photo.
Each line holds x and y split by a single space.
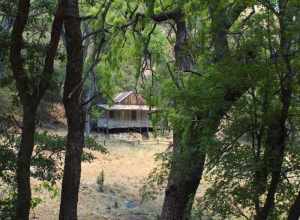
121 96
126 107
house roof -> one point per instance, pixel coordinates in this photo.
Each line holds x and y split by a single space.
119 106
121 96
127 107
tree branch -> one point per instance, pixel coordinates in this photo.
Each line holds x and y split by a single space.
17 43
52 50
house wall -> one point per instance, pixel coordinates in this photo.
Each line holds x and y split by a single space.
126 115
124 119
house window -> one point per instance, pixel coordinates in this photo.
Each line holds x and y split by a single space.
133 115
111 114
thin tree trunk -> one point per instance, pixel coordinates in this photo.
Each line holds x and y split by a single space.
278 131
72 99
88 92
23 163
88 96
277 155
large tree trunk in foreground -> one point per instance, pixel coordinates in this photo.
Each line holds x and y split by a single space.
74 112
180 192
184 178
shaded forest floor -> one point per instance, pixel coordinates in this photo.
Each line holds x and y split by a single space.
128 163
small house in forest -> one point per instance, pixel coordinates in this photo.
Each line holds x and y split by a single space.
128 112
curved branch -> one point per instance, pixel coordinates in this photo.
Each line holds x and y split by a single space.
52 50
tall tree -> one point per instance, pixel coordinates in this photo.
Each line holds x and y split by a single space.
179 194
262 159
278 130
73 100
189 143
31 91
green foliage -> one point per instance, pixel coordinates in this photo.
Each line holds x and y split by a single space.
7 201
235 161
92 144
7 100
46 165
95 112
52 189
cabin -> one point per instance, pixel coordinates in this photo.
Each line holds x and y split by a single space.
128 112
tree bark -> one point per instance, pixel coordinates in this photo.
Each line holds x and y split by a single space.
72 99
23 162
184 178
294 212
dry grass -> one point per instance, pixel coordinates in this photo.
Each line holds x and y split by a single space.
125 168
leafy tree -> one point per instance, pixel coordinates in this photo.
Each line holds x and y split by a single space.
31 86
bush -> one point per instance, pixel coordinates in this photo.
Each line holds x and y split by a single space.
100 181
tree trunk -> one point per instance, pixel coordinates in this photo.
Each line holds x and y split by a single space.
72 169
72 99
294 212
187 167
188 161
184 178
23 163
274 159
278 131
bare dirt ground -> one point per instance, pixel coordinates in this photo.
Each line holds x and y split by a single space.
128 163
